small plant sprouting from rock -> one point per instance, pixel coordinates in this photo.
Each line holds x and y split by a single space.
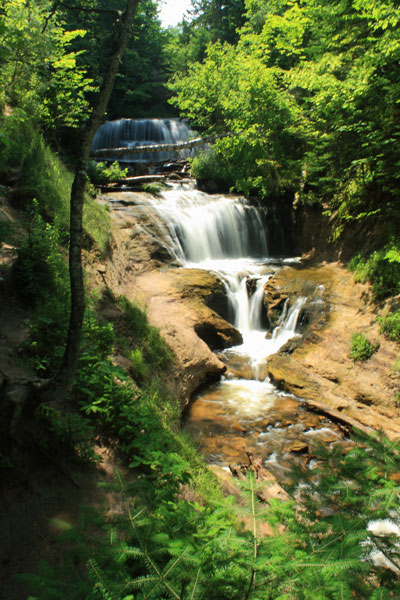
154 188
100 173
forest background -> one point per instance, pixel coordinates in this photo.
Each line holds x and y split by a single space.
311 94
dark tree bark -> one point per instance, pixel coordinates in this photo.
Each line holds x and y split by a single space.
58 387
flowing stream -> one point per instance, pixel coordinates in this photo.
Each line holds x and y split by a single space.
244 410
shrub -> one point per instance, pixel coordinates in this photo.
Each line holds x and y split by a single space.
41 270
7 232
140 369
69 431
361 348
390 326
381 269
154 188
100 173
212 166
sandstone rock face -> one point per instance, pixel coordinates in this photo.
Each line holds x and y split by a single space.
189 306
174 300
321 369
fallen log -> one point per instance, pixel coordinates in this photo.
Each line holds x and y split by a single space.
140 179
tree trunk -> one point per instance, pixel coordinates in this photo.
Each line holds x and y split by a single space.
58 387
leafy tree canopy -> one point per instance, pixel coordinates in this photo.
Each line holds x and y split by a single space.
39 69
315 90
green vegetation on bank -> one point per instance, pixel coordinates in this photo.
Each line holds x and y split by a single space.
36 175
310 91
161 545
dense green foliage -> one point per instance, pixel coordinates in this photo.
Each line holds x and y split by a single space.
311 93
382 268
54 57
210 21
39 71
140 89
177 549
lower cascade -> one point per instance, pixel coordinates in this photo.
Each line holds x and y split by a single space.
226 235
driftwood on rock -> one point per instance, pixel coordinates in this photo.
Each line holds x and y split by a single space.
344 421
142 179
255 465
270 488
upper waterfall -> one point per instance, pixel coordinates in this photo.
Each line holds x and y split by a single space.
143 132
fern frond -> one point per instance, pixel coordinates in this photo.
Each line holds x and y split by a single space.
97 576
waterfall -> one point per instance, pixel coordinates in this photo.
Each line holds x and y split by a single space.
226 235
142 132
286 328
206 228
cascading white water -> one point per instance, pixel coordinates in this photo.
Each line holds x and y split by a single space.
226 235
142 132
207 228
244 410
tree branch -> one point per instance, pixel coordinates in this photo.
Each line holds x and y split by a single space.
109 11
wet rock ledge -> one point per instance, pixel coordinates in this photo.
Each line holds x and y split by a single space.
320 368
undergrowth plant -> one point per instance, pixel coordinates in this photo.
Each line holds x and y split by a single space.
152 354
390 325
381 269
102 173
322 543
69 432
154 188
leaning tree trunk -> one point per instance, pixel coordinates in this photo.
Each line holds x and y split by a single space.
61 383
